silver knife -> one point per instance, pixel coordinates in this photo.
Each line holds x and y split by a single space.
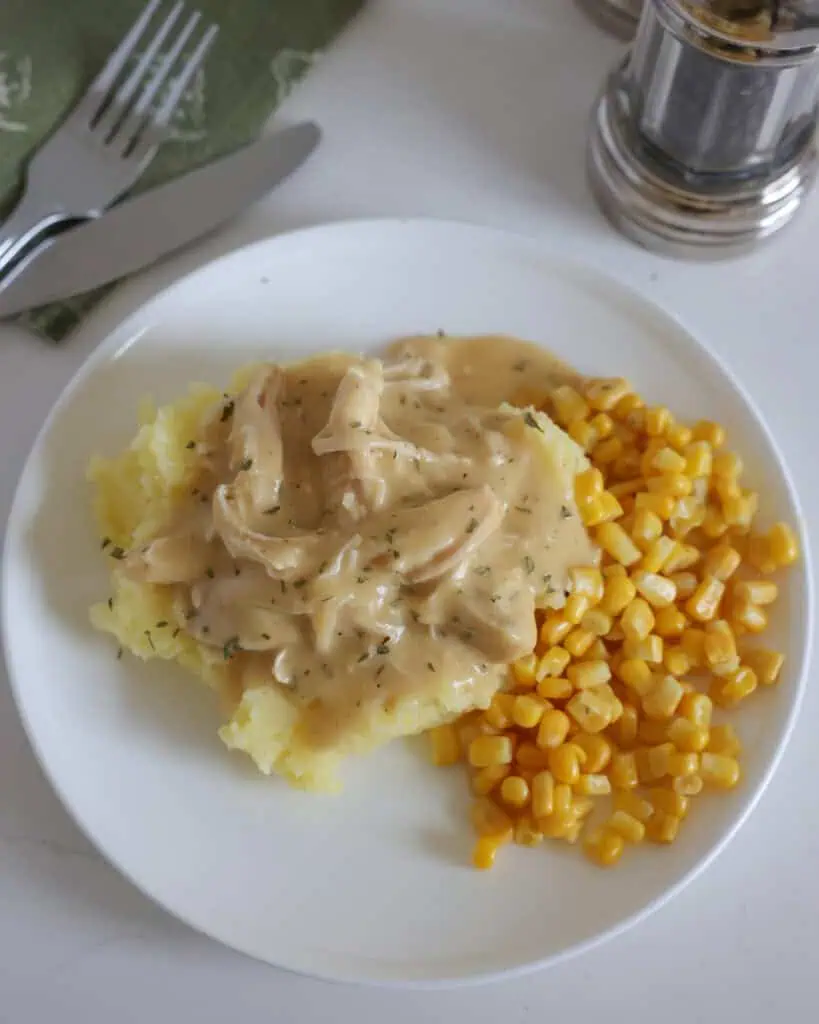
138 231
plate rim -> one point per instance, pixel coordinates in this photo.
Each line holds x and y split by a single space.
118 337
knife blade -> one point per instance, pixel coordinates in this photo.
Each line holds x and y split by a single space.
138 231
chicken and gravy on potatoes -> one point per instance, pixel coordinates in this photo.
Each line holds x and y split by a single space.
348 549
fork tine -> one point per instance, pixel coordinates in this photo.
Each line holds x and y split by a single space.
119 101
137 120
96 94
152 134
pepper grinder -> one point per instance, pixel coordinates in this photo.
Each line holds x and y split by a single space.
619 17
703 141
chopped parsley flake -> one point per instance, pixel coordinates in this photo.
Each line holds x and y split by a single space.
227 411
529 564
472 526
530 421
231 647
190 445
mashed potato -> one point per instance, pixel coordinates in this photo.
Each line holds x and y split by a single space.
138 492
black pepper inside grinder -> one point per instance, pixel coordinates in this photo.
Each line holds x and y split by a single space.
703 141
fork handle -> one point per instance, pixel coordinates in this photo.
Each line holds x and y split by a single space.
21 228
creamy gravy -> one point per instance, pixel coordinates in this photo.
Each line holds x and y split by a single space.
365 531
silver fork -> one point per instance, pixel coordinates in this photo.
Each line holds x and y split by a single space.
112 134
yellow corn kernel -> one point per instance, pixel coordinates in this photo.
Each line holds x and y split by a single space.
765 663
724 740
514 791
652 732
490 820
657 420
627 726
693 643
727 464
499 712
632 804
543 794
597 622
527 711
649 649
685 582
668 801
563 799
592 512
565 763
618 593
578 642
604 847
490 750
720 647
636 674
524 669
603 424
666 460
593 784
613 539
626 488
484 852
662 828
749 617
739 512
627 405
725 489
704 602
687 785
607 450
657 555
553 662
719 770
687 737
587 581
588 485
610 507
646 528
597 750
553 729
555 627
623 770
699 458
675 485
697 708
663 699
713 433
658 760
679 436
670 623
559 826
591 710
444 746
675 661
614 570
637 621
526 832
713 524
626 825
681 764
729 690
530 757
721 562
683 557
486 779
658 590
555 688
605 393
587 674
759 554
688 514
568 405
662 505
583 433
756 591
783 545
575 608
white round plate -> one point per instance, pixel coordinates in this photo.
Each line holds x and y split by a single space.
373 885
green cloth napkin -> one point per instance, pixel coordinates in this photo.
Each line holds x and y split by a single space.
51 49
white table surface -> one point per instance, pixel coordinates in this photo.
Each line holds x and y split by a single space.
473 110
